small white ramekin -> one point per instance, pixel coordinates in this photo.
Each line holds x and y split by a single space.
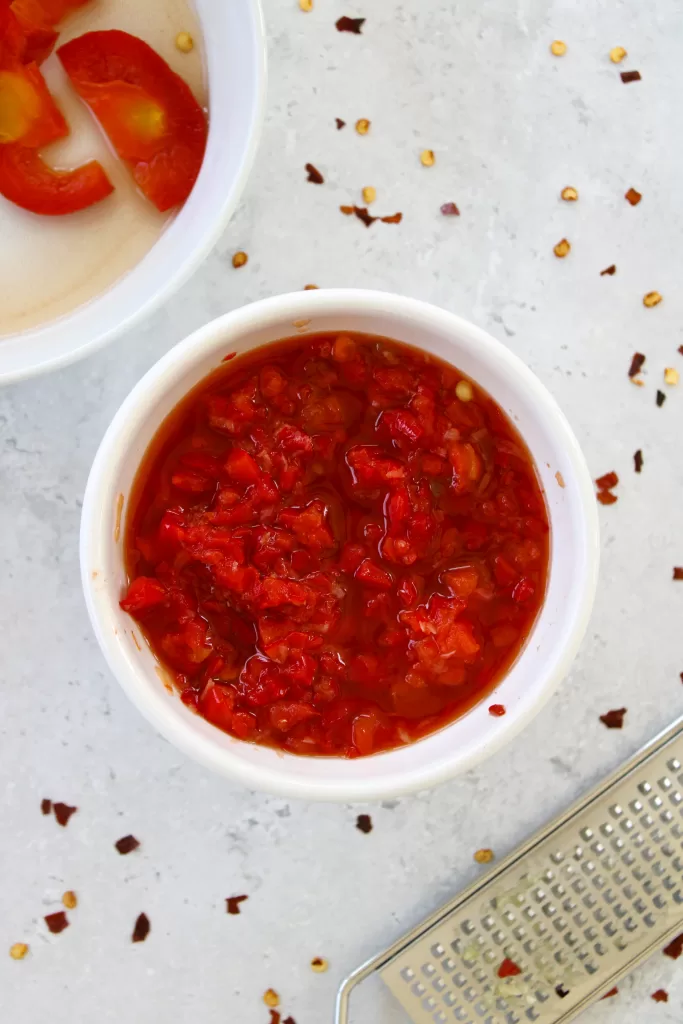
573 562
235 49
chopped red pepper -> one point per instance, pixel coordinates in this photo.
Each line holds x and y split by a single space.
509 969
607 481
63 812
675 947
661 996
147 110
28 113
232 904
614 719
27 181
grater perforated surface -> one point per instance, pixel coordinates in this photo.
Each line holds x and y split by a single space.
575 908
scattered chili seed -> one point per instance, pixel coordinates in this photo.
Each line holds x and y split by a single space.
129 843
354 25
450 210
271 998
569 194
558 48
562 248
611 270
362 126
141 929
319 964
46 806
630 76
617 54
607 481
675 947
310 287
239 259
606 497
561 991
633 196
394 218
184 42
369 194
560 479
340 124
484 856
678 573
509 969
652 299
636 364
232 904
614 719
612 992
57 922
364 823
314 175
63 812
661 996
464 391
306 5
427 158
497 710
671 376
18 951
660 399
70 900
638 460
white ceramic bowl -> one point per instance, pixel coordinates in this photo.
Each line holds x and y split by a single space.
234 42
574 544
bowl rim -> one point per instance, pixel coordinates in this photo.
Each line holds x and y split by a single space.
191 261
96 526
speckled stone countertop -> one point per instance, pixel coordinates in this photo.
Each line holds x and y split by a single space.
510 125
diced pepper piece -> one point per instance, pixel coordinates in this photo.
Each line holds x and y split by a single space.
28 113
27 181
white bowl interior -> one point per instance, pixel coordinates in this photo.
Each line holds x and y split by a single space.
570 500
235 54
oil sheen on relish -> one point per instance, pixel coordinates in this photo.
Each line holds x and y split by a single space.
330 551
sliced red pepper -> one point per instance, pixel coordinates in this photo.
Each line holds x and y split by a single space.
27 181
147 110
28 113
46 12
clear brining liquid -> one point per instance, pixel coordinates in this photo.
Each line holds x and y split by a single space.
51 265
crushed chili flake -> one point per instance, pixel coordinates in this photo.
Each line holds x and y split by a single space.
314 174
364 823
560 479
611 270
339 123
63 812
562 249
319 964
612 992
652 299
633 196
509 969
660 398
637 364
675 947
239 259
497 710
614 719
127 844
46 806
310 288
638 460
362 213
678 572
394 218
450 210
630 76
70 900
271 998
680 350
660 996
354 25
141 929
607 481
606 497
232 904
484 856
275 1017
289 1020
57 922
561 991
346 210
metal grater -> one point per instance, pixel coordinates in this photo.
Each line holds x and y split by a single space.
576 907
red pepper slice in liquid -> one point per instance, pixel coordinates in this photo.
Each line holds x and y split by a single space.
34 22
147 110
28 113
27 181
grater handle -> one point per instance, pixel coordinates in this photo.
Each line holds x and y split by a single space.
341 1015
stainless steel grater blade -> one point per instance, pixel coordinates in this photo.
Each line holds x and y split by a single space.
576 907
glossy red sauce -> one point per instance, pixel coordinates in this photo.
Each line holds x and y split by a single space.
330 551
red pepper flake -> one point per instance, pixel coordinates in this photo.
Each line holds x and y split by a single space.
57 922
612 992
126 845
346 210
395 218
232 904
680 350
289 1020
611 270
675 947
46 806
450 210
633 196
637 364
638 460
275 1017
142 928
230 355
630 76
355 25
678 572
63 812
606 497
314 175
661 996
509 969
364 823
660 399
497 710
607 481
339 123
614 719
361 212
